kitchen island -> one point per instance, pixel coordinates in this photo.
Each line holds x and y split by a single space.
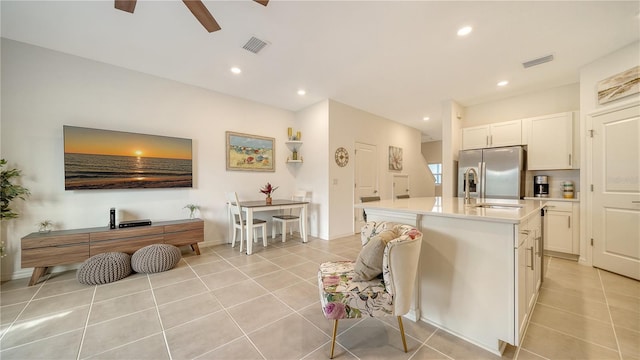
480 264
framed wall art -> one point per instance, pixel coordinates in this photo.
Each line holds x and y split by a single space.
619 85
97 159
250 152
395 158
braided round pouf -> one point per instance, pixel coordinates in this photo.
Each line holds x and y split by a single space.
104 268
155 258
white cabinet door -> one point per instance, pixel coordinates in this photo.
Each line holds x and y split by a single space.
558 231
476 137
506 133
521 286
550 143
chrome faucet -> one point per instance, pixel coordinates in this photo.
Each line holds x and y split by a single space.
467 200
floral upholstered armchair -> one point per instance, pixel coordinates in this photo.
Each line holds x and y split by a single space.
379 283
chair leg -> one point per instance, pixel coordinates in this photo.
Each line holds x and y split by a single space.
233 242
284 230
241 238
264 235
273 229
404 341
333 339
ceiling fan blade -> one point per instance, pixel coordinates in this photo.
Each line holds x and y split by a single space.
202 14
125 5
262 2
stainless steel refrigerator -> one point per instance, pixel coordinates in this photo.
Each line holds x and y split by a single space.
500 171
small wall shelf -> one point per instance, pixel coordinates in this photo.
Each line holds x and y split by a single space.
294 147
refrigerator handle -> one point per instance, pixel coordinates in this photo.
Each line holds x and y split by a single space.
481 183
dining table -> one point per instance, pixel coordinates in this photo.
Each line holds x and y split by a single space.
251 207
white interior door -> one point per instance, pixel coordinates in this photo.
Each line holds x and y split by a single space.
366 177
400 185
615 175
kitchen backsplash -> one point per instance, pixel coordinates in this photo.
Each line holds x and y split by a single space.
556 177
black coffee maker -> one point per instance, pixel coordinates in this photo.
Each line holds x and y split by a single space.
541 186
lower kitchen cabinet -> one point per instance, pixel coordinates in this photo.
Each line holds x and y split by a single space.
561 227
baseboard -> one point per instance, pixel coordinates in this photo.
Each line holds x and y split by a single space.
561 255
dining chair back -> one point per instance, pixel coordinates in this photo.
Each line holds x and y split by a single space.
289 216
235 217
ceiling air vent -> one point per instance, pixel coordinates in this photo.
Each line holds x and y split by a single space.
538 61
254 45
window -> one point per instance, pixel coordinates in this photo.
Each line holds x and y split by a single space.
436 170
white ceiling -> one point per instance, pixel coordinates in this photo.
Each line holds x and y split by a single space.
399 60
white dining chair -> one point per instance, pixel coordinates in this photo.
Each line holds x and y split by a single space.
290 216
240 224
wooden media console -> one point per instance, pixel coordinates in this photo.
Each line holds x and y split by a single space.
42 250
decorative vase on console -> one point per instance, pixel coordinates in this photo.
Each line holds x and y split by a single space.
267 190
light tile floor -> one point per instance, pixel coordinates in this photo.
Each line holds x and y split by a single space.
226 305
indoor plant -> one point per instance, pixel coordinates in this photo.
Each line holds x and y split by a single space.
192 208
267 190
10 191
45 226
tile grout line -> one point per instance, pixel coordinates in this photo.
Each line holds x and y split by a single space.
21 311
575 337
424 344
615 335
86 323
269 292
227 313
155 302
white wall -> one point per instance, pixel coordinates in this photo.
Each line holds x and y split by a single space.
549 101
43 90
452 115
614 63
348 125
432 151
311 175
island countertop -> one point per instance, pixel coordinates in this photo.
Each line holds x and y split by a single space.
500 210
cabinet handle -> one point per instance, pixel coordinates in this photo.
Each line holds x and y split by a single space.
635 202
569 221
487 140
525 232
490 139
531 257
569 159
533 260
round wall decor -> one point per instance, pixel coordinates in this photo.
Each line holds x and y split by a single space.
342 157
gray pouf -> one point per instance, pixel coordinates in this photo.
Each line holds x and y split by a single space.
155 258
104 268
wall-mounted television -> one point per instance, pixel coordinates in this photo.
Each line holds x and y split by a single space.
106 159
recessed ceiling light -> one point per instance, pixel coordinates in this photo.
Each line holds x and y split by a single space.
503 83
464 31
236 70
301 92
426 118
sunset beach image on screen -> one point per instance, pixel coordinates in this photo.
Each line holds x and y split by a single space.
106 159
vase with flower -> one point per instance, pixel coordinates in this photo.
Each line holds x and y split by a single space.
267 190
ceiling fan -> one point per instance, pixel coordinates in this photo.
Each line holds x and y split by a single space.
196 7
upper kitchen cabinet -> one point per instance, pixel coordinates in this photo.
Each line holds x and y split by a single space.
493 135
552 141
